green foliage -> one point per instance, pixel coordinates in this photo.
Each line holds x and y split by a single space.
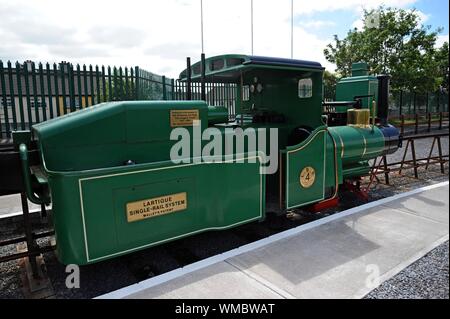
119 90
400 46
329 84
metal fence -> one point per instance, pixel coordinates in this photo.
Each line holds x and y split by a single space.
31 93
411 103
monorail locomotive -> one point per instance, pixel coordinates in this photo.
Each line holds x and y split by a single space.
114 187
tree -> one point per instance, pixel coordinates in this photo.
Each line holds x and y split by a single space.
442 58
329 85
399 46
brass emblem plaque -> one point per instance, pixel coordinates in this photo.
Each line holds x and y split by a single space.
183 117
157 206
307 177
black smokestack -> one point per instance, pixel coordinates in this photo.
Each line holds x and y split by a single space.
383 98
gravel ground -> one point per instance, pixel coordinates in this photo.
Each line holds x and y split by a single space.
427 278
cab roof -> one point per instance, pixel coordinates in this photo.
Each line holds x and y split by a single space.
228 68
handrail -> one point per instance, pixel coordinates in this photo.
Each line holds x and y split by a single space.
23 150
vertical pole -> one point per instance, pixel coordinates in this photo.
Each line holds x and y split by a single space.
4 100
127 90
71 79
63 87
121 97
19 93
203 77
386 170
91 82
137 87
401 102
426 104
440 120
41 83
97 82
172 84
402 127
188 82
132 85
429 121
110 93
49 89
105 98
413 151
440 154
438 100
416 129
115 82
79 89
164 87
12 95
27 93
35 96
251 23
55 79
201 25
85 86
28 234
292 29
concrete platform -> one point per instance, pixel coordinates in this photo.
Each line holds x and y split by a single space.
345 255
11 205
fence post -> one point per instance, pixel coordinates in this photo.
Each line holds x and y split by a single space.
416 129
12 95
188 79
4 102
429 122
401 102
172 83
438 100
34 86
414 103
71 79
164 87
402 125
427 105
203 75
441 115
136 82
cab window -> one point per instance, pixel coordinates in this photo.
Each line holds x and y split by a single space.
305 88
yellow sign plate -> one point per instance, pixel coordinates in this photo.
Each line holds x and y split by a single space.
183 117
307 177
157 206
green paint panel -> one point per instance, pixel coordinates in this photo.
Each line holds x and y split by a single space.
310 153
348 88
90 206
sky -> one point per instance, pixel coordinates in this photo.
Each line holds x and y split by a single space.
158 35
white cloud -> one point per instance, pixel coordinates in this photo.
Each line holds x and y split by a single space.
308 7
158 34
318 24
441 39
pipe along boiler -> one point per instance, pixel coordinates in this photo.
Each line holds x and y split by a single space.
107 170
